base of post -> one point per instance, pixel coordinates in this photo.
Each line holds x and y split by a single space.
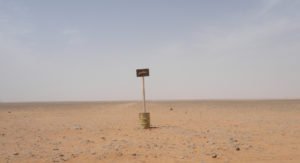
144 120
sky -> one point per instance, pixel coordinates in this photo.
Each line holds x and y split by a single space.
75 50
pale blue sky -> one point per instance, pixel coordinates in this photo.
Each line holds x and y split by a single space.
88 50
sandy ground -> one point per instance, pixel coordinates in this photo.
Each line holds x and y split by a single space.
194 131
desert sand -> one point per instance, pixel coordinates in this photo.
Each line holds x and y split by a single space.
182 131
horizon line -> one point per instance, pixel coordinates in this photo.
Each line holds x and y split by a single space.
153 100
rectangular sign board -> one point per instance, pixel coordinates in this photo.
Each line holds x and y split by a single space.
142 72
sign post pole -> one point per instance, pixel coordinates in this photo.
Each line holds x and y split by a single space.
144 95
144 116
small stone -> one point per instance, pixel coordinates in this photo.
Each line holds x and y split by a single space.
74 155
103 138
64 159
233 140
61 155
171 109
89 141
134 154
16 154
214 155
55 160
77 127
237 149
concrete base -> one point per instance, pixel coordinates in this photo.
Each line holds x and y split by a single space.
144 120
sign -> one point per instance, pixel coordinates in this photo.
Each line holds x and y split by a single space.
142 72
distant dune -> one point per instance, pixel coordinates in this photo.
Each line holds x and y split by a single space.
182 131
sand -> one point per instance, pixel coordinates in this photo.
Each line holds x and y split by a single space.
192 131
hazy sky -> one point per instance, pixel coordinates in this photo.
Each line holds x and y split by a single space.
89 49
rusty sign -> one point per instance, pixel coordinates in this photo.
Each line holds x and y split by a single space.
142 72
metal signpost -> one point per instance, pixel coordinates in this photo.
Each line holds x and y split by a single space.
144 117
142 73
